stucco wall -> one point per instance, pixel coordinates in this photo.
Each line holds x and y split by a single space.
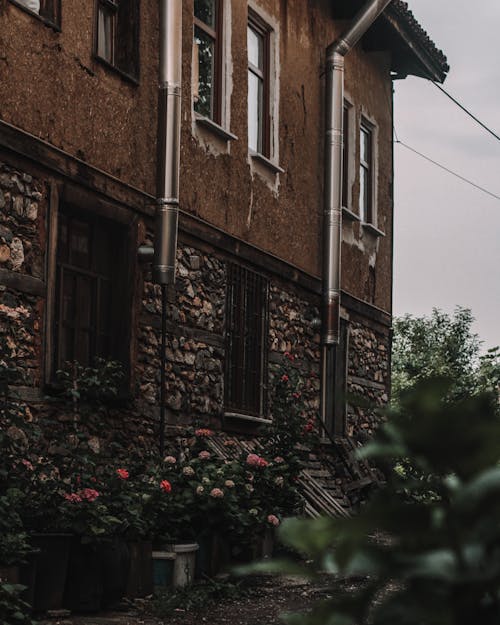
54 88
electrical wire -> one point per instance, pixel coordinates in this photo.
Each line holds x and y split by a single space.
453 173
455 101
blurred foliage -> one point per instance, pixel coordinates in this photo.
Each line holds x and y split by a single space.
442 345
417 560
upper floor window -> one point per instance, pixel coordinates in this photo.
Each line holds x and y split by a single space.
246 336
366 172
49 10
345 157
207 59
118 35
259 127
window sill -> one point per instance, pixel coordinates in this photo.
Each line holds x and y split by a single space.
41 18
260 158
372 229
218 130
349 214
113 68
246 417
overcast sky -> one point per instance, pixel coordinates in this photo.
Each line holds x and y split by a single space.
447 234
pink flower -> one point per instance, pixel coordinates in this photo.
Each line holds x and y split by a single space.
122 473
165 486
309 426
296 395
72 497
89 494
290 357
28 465
284 378
203 432
169 460
279 460
204 455
256 461
217 493
273 520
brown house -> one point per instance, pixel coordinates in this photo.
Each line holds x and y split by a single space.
78 185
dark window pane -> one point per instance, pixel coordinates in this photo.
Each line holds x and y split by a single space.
205 50
127 33
79 244
205 10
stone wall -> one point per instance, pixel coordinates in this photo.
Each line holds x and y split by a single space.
22 207
368 377
291 331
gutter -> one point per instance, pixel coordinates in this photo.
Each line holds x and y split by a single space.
332 220
167 175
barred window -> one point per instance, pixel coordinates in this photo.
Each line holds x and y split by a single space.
246 342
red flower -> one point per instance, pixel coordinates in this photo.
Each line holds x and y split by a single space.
296 395
166 486
290 357
284 378
122 473
309 426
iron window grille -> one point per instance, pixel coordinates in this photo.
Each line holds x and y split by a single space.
117 35
207 59
90 288
246 341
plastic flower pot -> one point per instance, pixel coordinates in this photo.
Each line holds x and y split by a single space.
140 578
115 561
84 587
163 568
51 570
184 565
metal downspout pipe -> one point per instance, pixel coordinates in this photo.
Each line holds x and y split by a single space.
168 164
332 242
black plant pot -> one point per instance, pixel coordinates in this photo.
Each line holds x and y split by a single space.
51 570
115 560
84 585
140 578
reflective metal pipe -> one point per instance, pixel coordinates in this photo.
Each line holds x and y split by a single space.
168 141
332 234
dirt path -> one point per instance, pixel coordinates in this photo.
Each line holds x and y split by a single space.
265 601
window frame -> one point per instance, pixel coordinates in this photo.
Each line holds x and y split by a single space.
236 396
114 7
263 30
367 213
217 36
346 144
53 20
69 198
